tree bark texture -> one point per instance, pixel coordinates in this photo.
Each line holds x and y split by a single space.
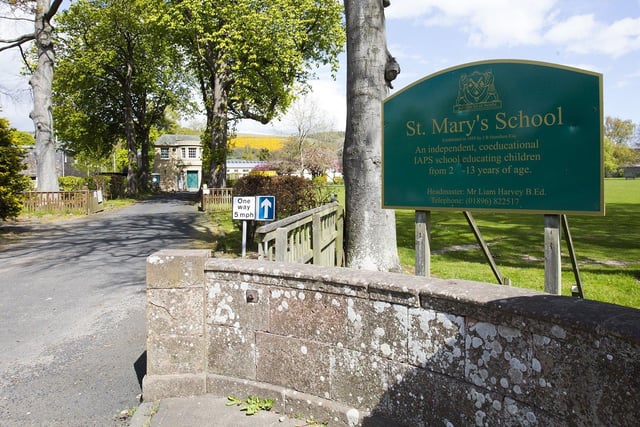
41 85
218 126
129 130
370 230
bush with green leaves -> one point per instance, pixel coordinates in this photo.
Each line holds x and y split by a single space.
293 194
72 183
12 182
112 186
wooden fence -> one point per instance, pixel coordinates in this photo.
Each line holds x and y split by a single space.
217 199
311 237
83 201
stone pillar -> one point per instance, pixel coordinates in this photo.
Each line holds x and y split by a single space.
176 348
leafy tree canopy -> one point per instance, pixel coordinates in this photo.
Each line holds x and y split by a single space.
23 139
262 47
619 136
249 57
117 77
620 132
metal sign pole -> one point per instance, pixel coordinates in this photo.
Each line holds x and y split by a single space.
574 260
485 248
244 238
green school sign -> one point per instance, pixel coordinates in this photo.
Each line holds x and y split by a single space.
514 136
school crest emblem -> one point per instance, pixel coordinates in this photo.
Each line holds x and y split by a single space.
477 91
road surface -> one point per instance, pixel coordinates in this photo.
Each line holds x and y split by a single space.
72 310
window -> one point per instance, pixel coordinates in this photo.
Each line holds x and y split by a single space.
164 153
192 152
183 152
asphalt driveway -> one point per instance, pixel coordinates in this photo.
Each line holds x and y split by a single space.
72 310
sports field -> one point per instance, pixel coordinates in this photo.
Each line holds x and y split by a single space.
607 248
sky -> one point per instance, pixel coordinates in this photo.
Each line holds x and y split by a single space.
427 36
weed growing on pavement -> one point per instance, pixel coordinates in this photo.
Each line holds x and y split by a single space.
252 405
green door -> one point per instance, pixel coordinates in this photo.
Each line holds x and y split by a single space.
192 180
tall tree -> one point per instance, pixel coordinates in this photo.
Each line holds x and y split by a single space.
620 132
41 81
117 77
370 230
619 137
248 56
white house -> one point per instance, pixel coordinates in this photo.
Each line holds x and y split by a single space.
177 164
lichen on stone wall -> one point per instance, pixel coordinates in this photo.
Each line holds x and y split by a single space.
436 341
421 351
499 358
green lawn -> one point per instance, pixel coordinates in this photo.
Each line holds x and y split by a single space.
607 248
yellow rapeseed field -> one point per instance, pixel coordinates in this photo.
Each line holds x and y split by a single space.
270 142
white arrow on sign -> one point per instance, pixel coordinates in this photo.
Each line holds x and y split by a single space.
265 206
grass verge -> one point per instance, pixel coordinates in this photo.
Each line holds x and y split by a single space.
227 237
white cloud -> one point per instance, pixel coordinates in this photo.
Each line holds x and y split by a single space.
584 34
401 9
500 23
575 28
489 23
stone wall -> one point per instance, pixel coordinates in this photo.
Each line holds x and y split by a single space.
362 348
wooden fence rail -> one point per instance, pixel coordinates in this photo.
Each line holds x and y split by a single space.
311 237
56 202
217 199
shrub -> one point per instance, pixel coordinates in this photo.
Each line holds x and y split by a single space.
71 183
293 195
320 180
112 186
12 182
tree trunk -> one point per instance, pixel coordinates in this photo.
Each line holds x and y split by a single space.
142 129
130 133
218 128
41 82
370 231
145 163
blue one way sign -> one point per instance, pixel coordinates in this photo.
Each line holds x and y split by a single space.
266 208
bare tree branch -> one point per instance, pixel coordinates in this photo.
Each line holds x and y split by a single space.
15 18
18 41
53 9
25 60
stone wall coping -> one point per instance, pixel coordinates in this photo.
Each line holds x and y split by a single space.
454 296
420 351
